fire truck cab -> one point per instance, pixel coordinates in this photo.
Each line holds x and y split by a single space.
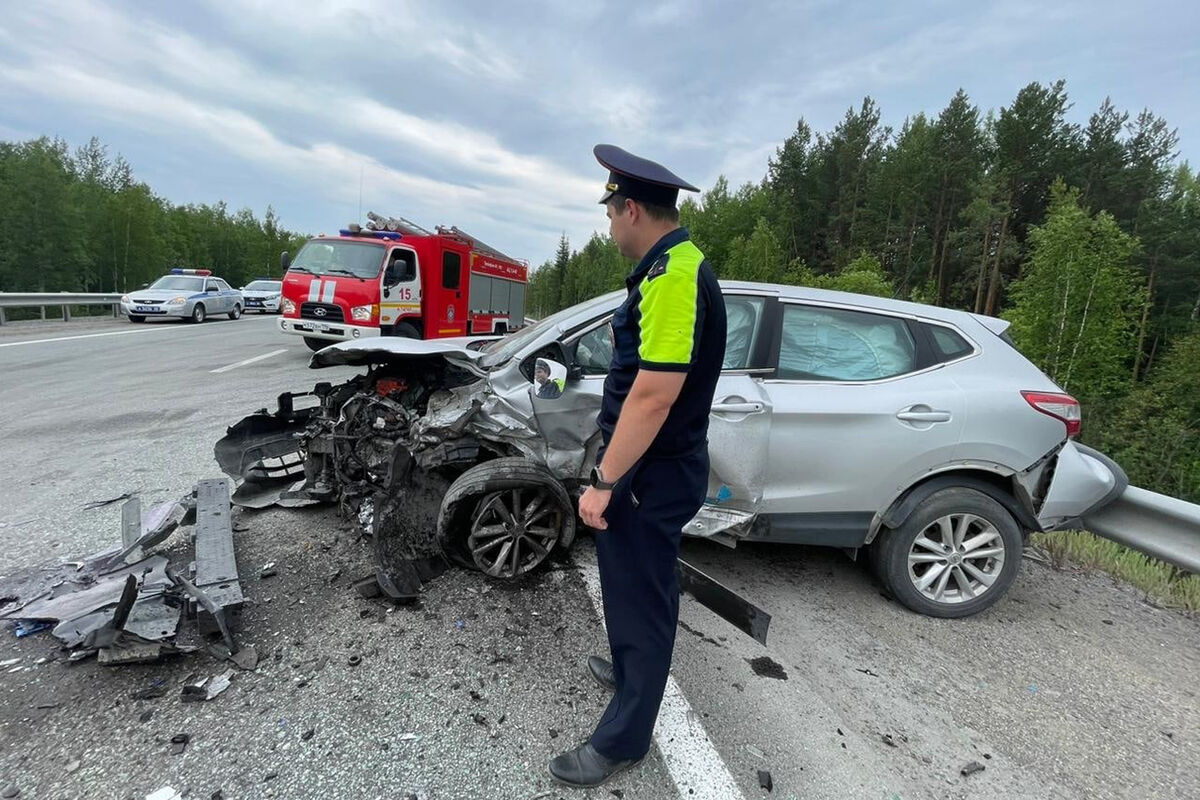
394 278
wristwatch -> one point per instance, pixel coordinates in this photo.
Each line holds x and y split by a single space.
597 481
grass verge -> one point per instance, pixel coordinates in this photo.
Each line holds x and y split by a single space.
1165 584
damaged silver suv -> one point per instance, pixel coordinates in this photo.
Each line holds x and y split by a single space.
916 432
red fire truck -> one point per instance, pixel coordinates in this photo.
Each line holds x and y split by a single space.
394 278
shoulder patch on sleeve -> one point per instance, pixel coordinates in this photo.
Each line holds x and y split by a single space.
659 267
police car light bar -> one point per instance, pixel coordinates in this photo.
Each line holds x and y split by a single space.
178 271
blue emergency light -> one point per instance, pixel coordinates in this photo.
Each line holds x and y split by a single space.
178 271
392 235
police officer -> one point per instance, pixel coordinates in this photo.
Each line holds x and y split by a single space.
652 472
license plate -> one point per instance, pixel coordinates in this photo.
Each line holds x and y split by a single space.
318 326
254 302
145 309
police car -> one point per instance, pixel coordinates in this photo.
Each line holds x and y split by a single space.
263 295
192 294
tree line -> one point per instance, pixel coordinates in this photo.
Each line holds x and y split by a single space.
78 221
1085 237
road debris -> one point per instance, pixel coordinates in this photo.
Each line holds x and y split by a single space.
767 667
102 503
124 604
267 570
764 780
179 743
971 768
165 793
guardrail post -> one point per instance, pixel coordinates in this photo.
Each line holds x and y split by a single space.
43 308
66 313
1 315
116 310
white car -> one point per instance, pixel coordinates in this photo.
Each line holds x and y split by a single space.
263 296
917 433
191 294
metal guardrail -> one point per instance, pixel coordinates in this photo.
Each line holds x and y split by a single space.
61 299
1163 527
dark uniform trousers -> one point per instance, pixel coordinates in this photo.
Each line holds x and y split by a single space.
636 556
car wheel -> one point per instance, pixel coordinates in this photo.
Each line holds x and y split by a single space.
955 555
315 344
136 318
505 517
237 311
199 314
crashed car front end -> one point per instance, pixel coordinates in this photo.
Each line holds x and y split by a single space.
388 445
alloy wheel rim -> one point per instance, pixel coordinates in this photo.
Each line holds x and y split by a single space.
514 531
956 558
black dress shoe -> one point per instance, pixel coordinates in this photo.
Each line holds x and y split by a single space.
584 766
602 671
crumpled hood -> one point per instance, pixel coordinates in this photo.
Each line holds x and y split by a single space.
395 350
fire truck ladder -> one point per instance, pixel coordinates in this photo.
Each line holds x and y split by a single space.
397 224
474 242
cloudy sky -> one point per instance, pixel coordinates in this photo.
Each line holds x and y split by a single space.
483 114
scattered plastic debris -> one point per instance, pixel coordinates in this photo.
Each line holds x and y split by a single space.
165 793
971 769
28 627
179 743
764 779
108 502
267 570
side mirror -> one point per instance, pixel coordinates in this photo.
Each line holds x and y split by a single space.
549 379
285 260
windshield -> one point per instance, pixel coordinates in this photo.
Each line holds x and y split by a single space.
502 350
180 283
335 257
263 286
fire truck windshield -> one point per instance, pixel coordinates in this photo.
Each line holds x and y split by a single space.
333 256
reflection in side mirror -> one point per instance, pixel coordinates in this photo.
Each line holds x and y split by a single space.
549 379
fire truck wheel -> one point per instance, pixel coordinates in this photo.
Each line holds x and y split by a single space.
316 344
406 330
136 318
199 314
237 311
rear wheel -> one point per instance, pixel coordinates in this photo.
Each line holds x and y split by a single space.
505 517
136 318
955 555
236 312
199 314
315 344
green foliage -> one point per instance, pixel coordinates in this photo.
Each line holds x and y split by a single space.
863 275
80 222
1076 305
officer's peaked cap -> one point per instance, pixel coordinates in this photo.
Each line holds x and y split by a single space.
639 178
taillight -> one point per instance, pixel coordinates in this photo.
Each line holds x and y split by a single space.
1062 407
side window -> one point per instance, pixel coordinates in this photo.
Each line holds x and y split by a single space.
947 345
451 270
594 350
211 285
831 344
222 285
742 315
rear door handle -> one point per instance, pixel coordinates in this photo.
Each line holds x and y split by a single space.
924 416
738 408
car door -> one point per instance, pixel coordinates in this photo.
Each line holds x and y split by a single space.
214 301
861 409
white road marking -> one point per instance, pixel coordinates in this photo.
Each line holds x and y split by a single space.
149 329
695 766
248 361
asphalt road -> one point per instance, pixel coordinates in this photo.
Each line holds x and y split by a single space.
1070 688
